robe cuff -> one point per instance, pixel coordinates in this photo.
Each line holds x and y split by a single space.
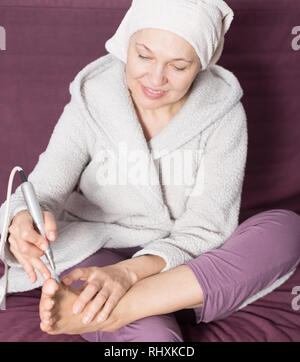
172 255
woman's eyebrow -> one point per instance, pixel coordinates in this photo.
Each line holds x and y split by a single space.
143 45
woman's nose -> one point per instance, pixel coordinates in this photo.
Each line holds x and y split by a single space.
157 75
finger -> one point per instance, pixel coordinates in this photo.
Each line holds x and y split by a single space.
95 306
81 287
23 228
24 247
21 217
76 274
29 269
41 268
109 306
85 296
29 234
50 226
30 264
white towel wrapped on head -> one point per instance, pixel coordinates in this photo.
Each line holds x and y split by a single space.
202 23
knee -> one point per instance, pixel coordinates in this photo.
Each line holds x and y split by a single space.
284 219
282 227
282 213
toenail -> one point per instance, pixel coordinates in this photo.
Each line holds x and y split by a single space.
66 280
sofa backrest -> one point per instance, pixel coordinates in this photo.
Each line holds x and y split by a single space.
49 41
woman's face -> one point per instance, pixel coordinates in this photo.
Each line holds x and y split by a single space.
165 63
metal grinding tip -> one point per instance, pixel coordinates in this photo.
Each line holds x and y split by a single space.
56 277
49 256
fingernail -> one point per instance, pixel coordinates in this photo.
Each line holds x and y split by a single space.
100 318
44 247
76 309
52 235
86 319
45 275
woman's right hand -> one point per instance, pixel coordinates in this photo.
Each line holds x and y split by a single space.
28 245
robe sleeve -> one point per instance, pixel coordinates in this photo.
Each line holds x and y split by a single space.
57 171
212 208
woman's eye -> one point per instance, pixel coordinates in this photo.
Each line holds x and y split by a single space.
142 57
179 69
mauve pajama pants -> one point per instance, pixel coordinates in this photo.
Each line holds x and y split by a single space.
261 250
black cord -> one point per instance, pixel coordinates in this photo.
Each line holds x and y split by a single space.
23 176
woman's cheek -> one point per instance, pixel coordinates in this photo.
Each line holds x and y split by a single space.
139 68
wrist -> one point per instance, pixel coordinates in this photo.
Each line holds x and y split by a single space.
130 272
143 266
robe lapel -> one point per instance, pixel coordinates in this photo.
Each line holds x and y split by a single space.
204 106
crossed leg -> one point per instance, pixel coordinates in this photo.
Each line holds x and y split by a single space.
57 316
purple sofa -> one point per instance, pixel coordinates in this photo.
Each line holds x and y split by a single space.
49 41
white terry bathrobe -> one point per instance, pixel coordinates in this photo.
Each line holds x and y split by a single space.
176 196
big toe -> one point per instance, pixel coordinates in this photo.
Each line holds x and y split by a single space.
49 288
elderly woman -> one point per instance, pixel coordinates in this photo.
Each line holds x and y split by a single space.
143 195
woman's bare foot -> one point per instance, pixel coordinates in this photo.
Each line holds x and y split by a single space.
56 312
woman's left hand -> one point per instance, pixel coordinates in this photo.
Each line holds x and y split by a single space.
103 288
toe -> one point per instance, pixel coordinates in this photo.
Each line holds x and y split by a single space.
47 301
46 317
50 287
45 327
48 327
47 304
